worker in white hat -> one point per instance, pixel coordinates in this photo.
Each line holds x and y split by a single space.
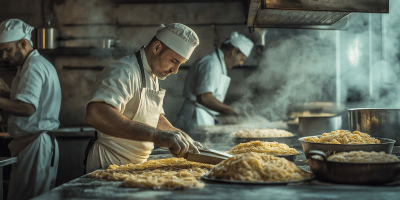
33 102
207 82
126 107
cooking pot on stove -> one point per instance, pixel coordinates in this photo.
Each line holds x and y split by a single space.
376 122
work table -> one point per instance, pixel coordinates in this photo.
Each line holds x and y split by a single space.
90 188
4 161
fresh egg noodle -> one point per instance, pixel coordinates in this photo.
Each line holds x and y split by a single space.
260 133
271 148
170 173
256 167
363 157
343 137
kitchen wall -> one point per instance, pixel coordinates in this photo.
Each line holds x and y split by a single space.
296 65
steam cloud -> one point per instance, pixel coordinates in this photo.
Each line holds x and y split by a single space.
300 66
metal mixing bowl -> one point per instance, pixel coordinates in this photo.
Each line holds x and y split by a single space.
386 145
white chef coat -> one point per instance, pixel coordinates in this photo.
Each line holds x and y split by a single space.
208 74
119 85
36 83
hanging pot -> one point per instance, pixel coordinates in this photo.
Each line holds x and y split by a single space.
47 38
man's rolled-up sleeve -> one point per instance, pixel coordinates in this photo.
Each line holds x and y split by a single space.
114 87
206 79
30 86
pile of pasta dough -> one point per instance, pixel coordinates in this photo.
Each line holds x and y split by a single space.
256 167
260 133
170 173
363 157
343 137
272 148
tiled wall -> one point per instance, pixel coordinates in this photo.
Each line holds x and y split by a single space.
76 84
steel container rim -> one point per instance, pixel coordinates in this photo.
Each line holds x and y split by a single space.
359 109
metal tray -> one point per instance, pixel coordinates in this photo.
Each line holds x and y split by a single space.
386 145
205 177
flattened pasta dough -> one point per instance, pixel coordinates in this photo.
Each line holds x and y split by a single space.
170 173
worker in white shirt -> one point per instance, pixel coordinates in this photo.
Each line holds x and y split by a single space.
126 107
207 82
34 105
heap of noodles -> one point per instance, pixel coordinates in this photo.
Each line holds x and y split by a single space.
343 137
363 157
170 173
272 148
255 167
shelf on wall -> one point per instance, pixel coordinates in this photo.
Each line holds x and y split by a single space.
172 1
87 52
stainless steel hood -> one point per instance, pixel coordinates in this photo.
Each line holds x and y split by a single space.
309 14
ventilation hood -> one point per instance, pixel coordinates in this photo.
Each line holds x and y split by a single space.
309 14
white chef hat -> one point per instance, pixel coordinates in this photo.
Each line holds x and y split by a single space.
179 38
241 42
14 30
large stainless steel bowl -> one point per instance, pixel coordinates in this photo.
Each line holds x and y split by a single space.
376 122
386 145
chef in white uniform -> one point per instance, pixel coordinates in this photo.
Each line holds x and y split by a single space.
207 82
126 106
34 106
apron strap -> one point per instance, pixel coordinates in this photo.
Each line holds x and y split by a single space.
53 147
88 148
139 59
219 58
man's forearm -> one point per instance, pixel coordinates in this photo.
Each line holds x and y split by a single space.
110 121
209 101
17 108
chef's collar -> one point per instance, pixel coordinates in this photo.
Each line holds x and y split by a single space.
146 65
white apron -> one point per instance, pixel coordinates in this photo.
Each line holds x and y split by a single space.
33 174
109 150
194 114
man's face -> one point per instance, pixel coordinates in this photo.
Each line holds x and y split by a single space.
237 59
166 62
11 54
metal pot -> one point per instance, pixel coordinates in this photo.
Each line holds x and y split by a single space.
386 145
108 43
376 122
319 125
47 38
355 173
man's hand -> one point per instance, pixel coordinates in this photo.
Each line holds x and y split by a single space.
177 142
4 87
